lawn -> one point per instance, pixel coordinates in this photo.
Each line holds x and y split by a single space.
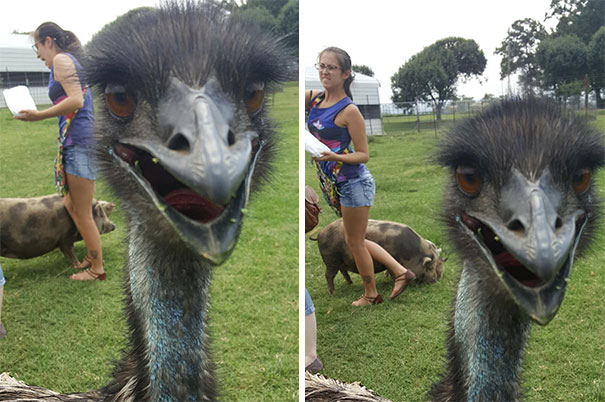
398 348
65 335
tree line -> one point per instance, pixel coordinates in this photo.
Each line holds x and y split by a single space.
568 61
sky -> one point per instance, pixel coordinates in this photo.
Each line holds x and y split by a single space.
382 34
82 18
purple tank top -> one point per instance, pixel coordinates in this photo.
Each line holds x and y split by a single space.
321 125
81 129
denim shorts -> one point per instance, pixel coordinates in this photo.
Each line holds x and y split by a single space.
80 160
2 281
357 192
309 307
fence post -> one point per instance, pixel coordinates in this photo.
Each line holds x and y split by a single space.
417 118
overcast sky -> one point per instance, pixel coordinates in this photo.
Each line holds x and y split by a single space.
382 34
84 18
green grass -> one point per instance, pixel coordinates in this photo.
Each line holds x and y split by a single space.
65 335
398 347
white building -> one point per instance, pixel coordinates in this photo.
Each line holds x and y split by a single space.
365 95
19 65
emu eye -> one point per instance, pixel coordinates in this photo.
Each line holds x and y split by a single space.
468 180
581 180
254 95
120 100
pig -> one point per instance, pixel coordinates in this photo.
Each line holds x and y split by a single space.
401 241
31 227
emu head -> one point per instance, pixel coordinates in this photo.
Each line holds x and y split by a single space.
520 199
182 129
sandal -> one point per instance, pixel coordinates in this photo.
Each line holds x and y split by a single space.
366 301
406 278
86 263
94 276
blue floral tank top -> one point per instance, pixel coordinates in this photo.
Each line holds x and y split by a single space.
321 124
81 129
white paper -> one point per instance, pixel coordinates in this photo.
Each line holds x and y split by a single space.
314 146
18 98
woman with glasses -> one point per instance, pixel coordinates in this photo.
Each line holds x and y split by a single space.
72 104
336 121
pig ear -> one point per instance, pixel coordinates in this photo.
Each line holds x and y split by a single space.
426 260
109 207
96 208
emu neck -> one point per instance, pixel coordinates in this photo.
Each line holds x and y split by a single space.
489 334
170 293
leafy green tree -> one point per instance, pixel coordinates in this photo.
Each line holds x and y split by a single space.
518 51
258 15
596 64
273 6
563 63
579 17
362 69
287 23
433 73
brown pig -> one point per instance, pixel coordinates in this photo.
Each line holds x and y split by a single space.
31 227
401 241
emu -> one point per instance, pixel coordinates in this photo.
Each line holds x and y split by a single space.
183 138
519 205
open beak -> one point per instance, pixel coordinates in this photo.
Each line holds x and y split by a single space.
532 250
199 176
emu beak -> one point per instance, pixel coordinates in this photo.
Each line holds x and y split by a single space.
199 175
531 249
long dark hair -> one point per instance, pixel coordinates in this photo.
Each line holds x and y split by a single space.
66 41
345 64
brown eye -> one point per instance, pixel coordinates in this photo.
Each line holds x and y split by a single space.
254 97
581 180
468 180
120 100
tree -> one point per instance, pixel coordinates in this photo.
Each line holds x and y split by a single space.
579 17
287 23
433 73
257 15
563 63
518 52
362 69
596 61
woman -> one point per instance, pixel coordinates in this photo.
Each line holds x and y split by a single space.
336 121
59 49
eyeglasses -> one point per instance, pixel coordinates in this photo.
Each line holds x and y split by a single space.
329 67
35 47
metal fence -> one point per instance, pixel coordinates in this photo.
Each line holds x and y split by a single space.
417 116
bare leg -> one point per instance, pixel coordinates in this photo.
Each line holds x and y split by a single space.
2 330
399 271
355 222
310 339
79 205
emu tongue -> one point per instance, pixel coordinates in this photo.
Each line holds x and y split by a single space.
511 265
192 205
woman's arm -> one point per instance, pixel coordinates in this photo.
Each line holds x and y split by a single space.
351 118
65 74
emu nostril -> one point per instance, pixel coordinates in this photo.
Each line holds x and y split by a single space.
558 223
178 142
230 138
516 226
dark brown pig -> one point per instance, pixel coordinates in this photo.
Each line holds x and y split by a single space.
31 227
401 241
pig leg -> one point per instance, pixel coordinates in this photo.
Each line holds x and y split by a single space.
346 275
330 274
68 251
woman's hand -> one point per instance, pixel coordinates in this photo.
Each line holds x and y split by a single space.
328 156
29 115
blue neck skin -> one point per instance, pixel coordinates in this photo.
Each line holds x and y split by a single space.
491 338
172 296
